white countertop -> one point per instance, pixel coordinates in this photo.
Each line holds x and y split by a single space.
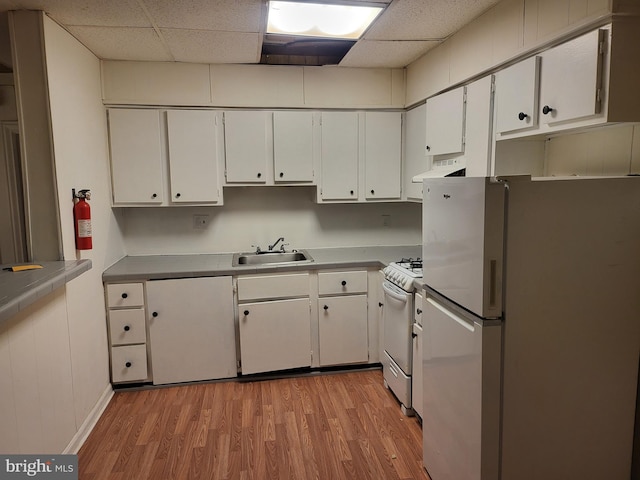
18 290
150 267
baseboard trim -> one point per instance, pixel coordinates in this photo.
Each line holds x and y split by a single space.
87 426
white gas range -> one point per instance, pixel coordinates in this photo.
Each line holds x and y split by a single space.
398 315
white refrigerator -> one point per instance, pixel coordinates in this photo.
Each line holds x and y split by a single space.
531 327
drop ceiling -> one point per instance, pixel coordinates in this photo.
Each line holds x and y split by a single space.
232 31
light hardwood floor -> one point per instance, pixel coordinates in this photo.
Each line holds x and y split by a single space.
324 426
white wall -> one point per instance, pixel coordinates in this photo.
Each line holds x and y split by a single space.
259 215
255 86
81 161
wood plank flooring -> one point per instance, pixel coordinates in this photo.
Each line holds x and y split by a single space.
325 426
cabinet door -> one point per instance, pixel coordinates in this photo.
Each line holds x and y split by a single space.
517 96
339 156
342 328
415 154
445 123
571 79
193 156
136 156
247 142
383 154
191 329
275 335
478 127
293 146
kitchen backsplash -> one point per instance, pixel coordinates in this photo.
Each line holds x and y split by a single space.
259 215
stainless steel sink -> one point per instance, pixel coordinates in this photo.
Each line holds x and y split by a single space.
270 258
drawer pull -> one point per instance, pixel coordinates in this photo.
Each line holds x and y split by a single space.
154 314
246 312
127 328
326 307
419 312
128 364
344 283
124 295
414 335
380 304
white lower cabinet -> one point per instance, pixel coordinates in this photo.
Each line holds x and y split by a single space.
275 329
275 335
191 329
343 317
127 332
342 328
129 363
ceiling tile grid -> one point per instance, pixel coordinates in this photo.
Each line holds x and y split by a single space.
232 31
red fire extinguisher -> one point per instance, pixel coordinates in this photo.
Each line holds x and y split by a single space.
82 220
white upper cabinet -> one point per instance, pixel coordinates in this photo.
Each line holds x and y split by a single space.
293 146
517 96
193 155
383 155
145 173
415 155
248 145
339 156
478 127
136 156
570 85
445 123
584 82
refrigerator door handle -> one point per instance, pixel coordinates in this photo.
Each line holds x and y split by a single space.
493 282
452 316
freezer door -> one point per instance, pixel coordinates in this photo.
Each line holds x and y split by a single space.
463 225
461 394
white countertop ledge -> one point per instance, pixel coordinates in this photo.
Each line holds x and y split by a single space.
18 290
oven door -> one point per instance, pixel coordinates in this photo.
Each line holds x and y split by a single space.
397 319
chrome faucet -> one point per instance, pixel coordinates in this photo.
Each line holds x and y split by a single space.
281 239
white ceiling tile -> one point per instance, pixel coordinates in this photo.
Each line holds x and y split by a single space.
105 13
222 15
201 46
122 43
372 53
425 19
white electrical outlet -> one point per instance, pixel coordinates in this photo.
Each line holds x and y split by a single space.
200 221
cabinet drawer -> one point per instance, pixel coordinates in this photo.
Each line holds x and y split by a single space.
127 326
335 283
273 286
129 363
125 295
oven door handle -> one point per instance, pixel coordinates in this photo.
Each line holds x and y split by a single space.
394 295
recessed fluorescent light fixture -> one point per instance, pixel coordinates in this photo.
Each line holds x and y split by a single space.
320 19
